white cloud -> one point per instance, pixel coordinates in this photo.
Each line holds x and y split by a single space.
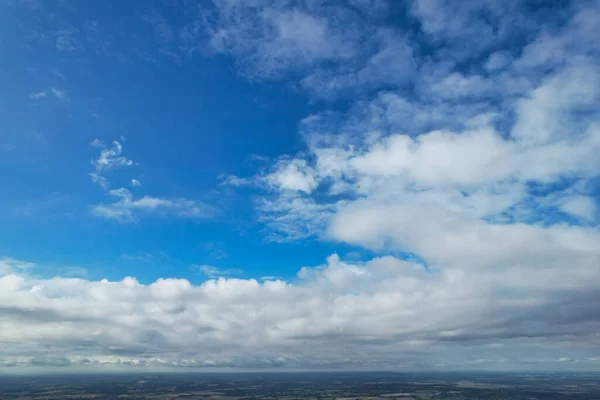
293 175
444 238
135 183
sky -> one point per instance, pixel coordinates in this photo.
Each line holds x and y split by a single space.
299 185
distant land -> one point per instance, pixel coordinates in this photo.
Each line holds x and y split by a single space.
303 386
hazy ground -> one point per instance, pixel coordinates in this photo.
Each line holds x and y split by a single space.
303 386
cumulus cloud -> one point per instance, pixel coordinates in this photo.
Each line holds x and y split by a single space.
135 183
293 175
468 146
479 174
384 312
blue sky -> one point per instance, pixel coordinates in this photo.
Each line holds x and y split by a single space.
182 123
416 181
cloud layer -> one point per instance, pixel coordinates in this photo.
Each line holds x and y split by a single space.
384 313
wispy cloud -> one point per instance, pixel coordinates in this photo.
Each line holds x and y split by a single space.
115 213
99 180
271 278
233 180
38 95
137 257
68 39
51 204
60 94
126 208
11 266
74 272
110 157
164 34
213 272
216 249
273 38
57 93
97 144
